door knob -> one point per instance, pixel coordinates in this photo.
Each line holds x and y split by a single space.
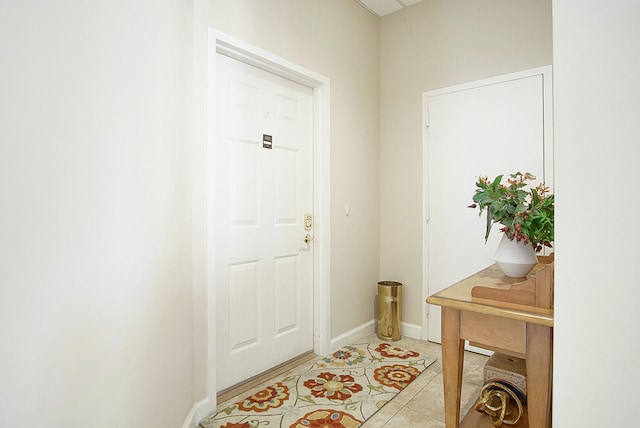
308 238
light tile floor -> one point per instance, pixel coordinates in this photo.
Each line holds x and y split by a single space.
421 404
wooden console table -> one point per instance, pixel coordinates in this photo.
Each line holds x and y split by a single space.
508 315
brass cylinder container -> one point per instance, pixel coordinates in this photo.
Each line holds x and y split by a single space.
389 310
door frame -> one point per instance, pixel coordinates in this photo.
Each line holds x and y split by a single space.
547 117
219 42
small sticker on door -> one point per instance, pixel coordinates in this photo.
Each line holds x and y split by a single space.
266 141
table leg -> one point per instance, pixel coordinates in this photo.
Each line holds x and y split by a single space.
452 363
539 372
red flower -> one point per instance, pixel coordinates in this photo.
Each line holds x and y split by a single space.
346 356
334 387
234 425
390 351
397 376
324 418
271 397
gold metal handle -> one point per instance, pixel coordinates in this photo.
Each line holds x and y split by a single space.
308 238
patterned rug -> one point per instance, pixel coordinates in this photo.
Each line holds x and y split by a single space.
341 390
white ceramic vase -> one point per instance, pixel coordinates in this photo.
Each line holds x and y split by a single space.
515 259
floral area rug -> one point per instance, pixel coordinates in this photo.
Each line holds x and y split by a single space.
341 390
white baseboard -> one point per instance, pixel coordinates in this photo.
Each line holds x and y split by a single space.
413 331
191 421
352 335
198 412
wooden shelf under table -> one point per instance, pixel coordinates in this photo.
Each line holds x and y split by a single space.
475 419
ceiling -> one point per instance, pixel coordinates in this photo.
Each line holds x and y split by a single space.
381 8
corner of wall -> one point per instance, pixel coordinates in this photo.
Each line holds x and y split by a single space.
198 412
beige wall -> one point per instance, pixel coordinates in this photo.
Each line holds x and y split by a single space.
433 45
96 319
596 87
338 39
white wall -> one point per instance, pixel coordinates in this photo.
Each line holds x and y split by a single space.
95 295
596 68
433 45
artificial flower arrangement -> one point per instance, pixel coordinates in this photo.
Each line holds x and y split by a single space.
525 212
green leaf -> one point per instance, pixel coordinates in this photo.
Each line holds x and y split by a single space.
489 224
307 398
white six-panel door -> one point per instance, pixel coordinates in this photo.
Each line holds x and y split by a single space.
495 126
263 267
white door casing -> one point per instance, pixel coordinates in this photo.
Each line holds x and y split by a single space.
494 126
264 179
219 42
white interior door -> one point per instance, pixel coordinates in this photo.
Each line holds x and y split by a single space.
486 128
264 188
